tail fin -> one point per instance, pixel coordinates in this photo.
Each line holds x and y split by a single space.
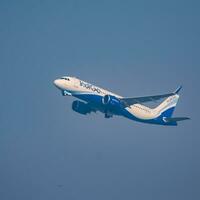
166 108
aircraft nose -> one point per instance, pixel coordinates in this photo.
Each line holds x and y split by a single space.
57 83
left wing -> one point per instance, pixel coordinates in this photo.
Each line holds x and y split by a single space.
130 101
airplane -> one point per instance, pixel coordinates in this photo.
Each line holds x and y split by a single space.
95 99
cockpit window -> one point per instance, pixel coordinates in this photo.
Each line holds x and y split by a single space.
65 78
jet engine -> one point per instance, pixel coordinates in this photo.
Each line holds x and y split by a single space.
81 107
111 101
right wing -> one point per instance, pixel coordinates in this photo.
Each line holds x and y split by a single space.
130 101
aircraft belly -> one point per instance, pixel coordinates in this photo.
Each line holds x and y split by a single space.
141 114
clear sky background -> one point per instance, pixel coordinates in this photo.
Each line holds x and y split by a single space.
133 48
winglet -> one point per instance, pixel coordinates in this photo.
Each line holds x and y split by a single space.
178 90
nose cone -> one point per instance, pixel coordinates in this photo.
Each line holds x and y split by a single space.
57 83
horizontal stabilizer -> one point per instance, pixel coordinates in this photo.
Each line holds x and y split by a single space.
175 119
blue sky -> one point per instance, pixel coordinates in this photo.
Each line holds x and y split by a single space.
133 48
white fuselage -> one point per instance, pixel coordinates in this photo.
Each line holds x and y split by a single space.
77 86
98 99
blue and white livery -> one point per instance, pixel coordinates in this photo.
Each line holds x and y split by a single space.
95 99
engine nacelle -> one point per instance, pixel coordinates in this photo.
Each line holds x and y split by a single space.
81 107
111 101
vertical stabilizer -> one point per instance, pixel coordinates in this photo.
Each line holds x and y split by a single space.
166 108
